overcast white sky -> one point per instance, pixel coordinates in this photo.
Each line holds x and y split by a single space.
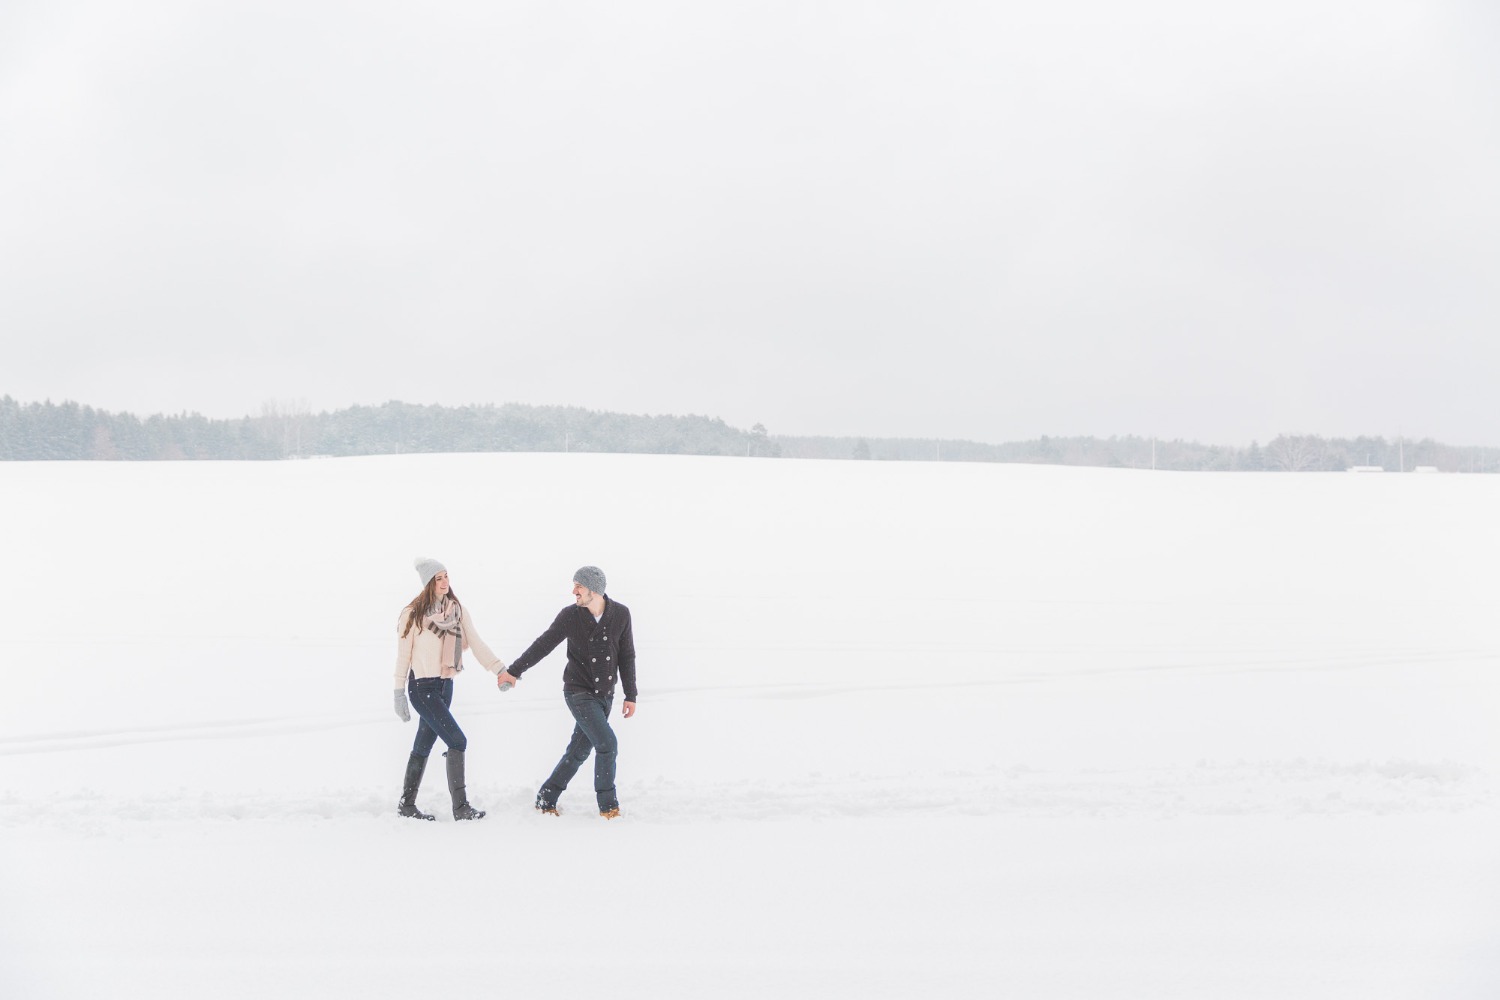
986 220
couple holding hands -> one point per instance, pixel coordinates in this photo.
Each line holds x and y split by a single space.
432 633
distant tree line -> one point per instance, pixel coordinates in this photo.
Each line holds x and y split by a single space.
69 431
42 431
1285 453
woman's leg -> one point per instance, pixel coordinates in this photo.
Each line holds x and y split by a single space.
407 804
431 697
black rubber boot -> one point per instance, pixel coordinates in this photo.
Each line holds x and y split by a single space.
408 805
461 807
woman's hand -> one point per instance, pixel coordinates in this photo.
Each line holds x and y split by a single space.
504 680
402 712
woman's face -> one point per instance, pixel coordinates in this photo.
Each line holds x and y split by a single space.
440 584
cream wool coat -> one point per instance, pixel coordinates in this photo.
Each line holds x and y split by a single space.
420 650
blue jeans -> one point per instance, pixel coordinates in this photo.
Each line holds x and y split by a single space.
592 732
431 696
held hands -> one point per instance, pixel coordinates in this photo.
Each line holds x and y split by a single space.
504 680
402 712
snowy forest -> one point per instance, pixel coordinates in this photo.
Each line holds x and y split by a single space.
70 431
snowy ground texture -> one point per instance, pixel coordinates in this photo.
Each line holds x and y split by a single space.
904 729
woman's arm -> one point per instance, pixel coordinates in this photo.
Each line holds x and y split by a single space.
403 650
487 659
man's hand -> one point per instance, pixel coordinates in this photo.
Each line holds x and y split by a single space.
503 678
627 709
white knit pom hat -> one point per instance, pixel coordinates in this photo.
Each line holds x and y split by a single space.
428 568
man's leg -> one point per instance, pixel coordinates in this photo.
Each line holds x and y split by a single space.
592 713
572 759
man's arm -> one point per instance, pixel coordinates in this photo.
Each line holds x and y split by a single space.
537 651
627 668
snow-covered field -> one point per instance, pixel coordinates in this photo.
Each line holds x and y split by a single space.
904 730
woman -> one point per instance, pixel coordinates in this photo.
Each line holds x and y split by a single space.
432 633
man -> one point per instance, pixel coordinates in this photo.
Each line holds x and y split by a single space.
601 647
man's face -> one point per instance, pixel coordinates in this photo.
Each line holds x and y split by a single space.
582 595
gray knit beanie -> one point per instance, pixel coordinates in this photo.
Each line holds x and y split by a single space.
591 578
428 568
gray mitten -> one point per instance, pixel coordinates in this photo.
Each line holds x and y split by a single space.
402 712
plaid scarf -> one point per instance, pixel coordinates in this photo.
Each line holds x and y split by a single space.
445 622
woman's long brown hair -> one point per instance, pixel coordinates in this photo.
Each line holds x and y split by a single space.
421 606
